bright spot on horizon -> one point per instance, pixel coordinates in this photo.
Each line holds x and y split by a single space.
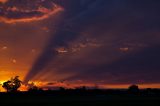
4 48
14 61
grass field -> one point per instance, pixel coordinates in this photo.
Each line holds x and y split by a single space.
50 99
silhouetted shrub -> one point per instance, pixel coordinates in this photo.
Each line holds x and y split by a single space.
62 89
134 89
34 88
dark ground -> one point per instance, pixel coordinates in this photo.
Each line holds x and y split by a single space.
80 98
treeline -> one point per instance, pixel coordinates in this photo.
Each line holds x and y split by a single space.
13 84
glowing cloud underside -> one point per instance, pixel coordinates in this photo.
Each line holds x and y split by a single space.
17 14
3 1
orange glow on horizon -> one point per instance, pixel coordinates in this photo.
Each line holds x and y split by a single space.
45 85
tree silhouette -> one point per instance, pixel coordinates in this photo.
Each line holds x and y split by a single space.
133 89
12 85
33 88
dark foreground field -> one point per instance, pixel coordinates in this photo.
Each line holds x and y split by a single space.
73 98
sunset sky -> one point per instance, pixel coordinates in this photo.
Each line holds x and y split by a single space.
110 43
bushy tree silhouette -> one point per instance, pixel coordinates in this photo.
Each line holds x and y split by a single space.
12 85
134 89
33 88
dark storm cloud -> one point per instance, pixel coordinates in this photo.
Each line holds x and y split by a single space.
61 38
131 26
139 67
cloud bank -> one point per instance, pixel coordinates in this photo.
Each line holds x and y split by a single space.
101 41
